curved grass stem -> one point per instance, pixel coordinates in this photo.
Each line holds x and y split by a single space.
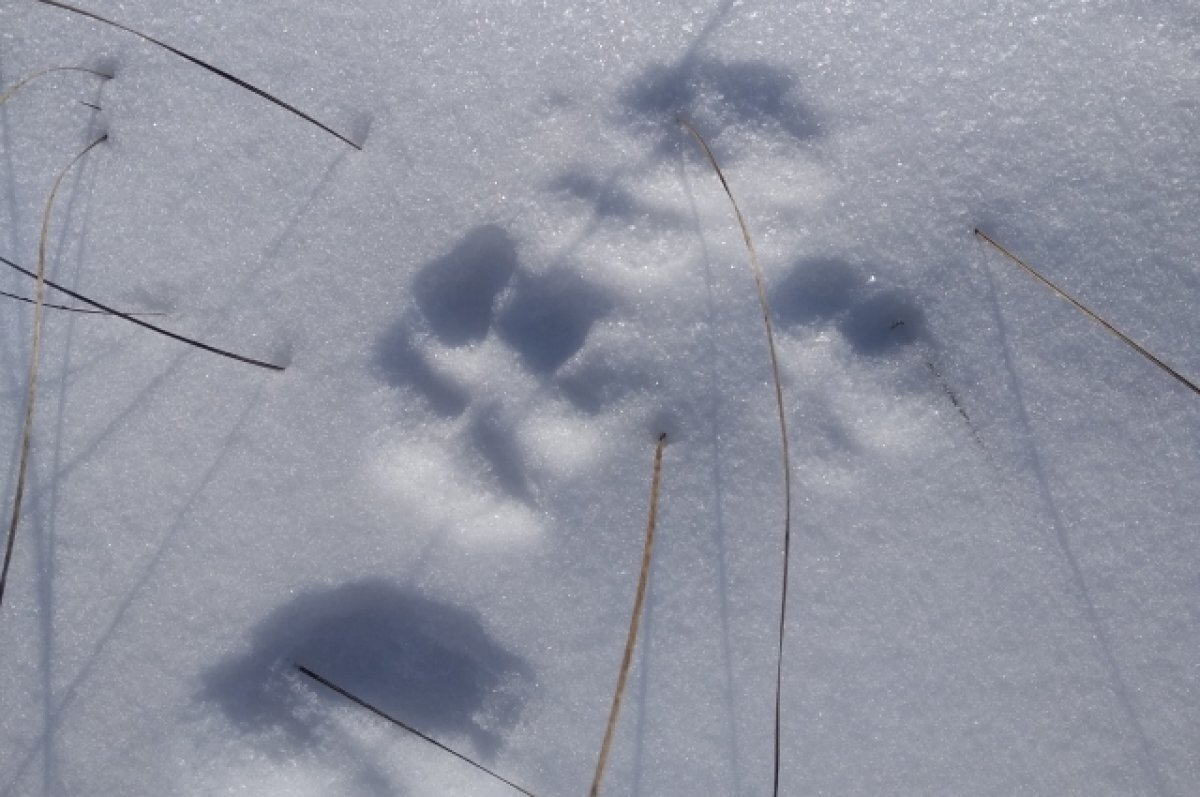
14 88
34 362
783 433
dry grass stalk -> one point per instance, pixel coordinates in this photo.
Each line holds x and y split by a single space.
133 319
14 88
204 65
635 621
783 434
1128 341
34 362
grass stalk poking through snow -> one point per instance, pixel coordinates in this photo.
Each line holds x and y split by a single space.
204 65
1128 341
34 361
635 621
14 88
783 434
133 319
380 713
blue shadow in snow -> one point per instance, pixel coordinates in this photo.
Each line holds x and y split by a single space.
457 291
427 663
874 320
716 94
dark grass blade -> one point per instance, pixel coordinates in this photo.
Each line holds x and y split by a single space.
51 306
14 88
204 65
35 359
635 621
133 319
379 713
1128 341
783 433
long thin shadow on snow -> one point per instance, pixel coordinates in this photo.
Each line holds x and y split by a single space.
73 689
47 537
12 359
427 662
719 533
162 377
1145 753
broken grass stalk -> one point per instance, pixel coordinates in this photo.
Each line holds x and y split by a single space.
635 621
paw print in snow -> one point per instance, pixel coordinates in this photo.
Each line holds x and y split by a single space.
484 349
873 319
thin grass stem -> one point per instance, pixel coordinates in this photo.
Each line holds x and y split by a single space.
634 622
35 358
14 88
52 306
204 65
1128 341
380 713
783 433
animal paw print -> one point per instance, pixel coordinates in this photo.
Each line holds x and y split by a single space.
873 319
486 348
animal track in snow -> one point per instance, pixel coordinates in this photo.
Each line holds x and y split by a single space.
476 305
873 319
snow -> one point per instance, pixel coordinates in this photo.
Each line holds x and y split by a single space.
491 311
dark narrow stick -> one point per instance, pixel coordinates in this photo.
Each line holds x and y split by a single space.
1128 341
787 462
133 319
35 359
220 72
51 306
28 78
379 713
634 622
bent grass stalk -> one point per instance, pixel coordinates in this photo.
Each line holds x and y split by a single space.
14 88
634 622
1128 341
34 361
783 434
382 714
204 65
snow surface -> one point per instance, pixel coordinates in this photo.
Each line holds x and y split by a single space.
489 314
